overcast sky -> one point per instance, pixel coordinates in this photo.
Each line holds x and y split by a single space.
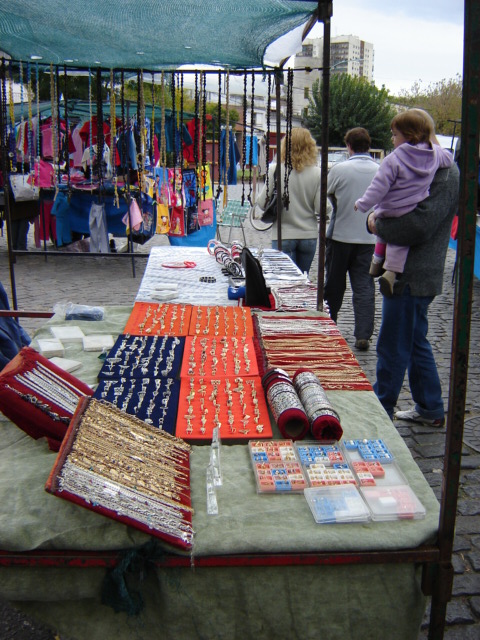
414 40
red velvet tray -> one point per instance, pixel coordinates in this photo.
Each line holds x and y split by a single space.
127 470
242 414
153 319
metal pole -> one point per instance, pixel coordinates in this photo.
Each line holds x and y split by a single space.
442 573
324 14
278 168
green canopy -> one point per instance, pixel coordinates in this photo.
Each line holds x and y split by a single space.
150 34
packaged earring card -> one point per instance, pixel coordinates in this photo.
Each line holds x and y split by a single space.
143 357
325 463
373 464
235 405
276 467
151 319
116 465
153 400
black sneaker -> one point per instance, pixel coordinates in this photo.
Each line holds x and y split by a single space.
412 415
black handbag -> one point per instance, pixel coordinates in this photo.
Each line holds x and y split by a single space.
269 215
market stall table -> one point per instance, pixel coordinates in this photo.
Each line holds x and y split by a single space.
244 569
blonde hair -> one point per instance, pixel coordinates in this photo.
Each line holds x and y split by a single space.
303 149
414 124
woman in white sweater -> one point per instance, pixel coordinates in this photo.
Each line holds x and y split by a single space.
300 220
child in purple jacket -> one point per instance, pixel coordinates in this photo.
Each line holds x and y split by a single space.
403 180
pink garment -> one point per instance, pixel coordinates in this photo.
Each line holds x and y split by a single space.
77 142
136 218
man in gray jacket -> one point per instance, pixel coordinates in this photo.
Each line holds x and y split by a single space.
349 246
402 341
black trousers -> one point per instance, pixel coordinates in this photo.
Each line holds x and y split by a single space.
342 258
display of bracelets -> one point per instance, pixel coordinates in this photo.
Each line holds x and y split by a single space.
143 357
150 319
221 321
279 324
222 356
234 404
113 463
155 401
328 356
43 387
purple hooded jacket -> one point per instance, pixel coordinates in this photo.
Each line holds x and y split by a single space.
404 179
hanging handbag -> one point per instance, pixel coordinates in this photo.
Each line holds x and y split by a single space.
22 191
269 215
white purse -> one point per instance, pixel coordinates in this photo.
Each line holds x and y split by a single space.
22 191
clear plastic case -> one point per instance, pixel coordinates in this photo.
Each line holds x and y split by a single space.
324 463
337 504
276 466
397 502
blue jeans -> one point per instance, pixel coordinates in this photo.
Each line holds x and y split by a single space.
402 345
301 252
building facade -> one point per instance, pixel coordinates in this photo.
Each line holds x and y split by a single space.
348 54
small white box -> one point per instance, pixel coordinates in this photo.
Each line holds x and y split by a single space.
98 342
51 347
66 364
68 333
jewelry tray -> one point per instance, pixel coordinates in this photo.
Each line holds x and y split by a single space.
141 479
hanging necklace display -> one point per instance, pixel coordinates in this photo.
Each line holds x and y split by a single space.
198 168
22 117
267 150
219 119
250 158
288 139
31 138
113 140
182 163
67 129
37 96
124 132
99 166
203 181
90 134
141 130
244 136
114 464
163 142
227 140
9 133
53 109
174 132
152 125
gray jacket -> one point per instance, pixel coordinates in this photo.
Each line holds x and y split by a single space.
426 230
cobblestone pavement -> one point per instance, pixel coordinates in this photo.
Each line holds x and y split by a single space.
43 283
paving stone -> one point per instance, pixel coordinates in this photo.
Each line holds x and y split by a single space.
475 604
466 584
459 612
459 564
467 524
474 559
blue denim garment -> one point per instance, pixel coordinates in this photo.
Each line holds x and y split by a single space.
301 251
402 345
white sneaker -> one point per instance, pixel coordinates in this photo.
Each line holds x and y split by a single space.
412 415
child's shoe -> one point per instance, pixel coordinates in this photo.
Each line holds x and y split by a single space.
376 269
386 283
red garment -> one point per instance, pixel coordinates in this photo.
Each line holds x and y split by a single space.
85 132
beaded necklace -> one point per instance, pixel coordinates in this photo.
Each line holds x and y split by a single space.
288 138
269 107
227 141
219 118
163 143
252 120
244 138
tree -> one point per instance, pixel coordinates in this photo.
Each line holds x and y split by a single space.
354 102
442 100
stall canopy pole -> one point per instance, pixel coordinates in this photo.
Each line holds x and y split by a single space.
278 168
442 573
324 15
